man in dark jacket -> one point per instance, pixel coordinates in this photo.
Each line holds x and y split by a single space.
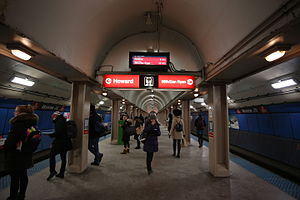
152 130
16 161
60 145
126 134
96 129
200 124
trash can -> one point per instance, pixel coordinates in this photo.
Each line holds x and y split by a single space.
120 131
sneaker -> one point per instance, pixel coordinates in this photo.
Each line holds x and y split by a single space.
137 147
52 174
60 175
150 171
178 156
124 151
95 163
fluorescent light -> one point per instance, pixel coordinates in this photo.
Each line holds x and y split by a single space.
274 56
196 90
101 102
20 54
104 93
23 81
228 98
285 83
196 94
203 104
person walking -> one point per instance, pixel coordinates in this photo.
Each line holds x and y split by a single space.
17 161
126 134
152 131
177 132
170 120
96 129
200 124
60 145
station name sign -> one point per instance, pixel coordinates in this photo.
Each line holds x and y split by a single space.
144 81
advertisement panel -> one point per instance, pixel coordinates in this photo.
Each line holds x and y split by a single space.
121 81
176 82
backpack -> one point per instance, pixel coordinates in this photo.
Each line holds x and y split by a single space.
100 129
32 140
71 129
178 127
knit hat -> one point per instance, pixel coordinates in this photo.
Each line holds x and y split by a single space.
152 116
55 115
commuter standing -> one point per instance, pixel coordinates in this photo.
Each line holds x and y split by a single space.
139 129
60 145
200 124
177 132
170 119
126 134
151 130
16 160
96 129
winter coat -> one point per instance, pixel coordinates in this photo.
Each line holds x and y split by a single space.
126 133
15 159
176 135
92 126
152 131
61 141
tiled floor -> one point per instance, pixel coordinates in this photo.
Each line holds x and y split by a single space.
125 177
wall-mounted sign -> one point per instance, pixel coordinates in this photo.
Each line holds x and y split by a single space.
86 126
149 61
148 81
176 82
121 81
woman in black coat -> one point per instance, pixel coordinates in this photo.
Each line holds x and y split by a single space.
60 145
152 130
126 134
16 161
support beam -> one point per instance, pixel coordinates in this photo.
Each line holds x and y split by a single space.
114 121
186 121
80 112
218 131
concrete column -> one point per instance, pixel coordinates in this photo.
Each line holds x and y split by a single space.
80 112
186 121
218 131
114 121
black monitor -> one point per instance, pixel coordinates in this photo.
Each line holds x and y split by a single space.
145 61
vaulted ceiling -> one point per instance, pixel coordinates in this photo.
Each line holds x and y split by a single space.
79 37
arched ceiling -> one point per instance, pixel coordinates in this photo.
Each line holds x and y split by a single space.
87 34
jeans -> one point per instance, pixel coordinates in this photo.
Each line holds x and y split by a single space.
200 137
63 156
94 149
19 179
149 160
174 147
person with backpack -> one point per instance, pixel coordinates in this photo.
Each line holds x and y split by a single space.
152 131
177 132
17 158
126 133
61 144
200 124
96 130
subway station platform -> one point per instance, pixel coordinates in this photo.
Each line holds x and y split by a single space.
125 177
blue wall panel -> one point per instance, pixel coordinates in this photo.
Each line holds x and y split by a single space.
265 124
295 118
3 114
252 123
242 118
282 125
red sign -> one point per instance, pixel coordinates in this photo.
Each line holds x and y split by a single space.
211 134
121 81
176 81
147 60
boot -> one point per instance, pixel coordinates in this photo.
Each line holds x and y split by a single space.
124 151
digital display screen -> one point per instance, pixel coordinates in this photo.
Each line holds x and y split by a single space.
149 60
146 61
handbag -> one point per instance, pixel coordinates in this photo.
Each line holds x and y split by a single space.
143 137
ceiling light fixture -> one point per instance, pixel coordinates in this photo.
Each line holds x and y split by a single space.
104 93
20 51
284 83
276 51
101 102
22 81
196 94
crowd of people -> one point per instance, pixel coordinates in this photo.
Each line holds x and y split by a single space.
24 130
